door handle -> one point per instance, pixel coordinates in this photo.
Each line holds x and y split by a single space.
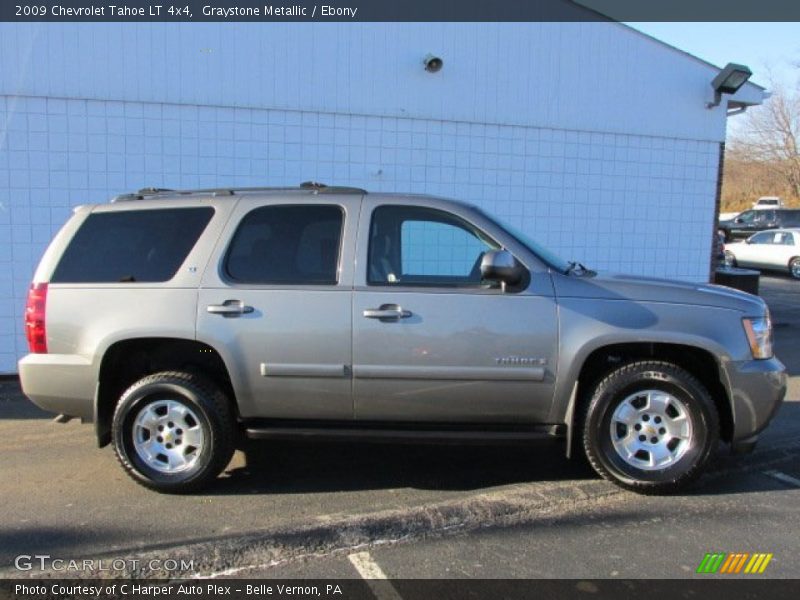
387 312
230 308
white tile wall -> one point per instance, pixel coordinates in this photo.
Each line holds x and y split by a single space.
583 76
632 203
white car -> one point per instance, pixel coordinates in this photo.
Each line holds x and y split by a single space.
766 202
775 249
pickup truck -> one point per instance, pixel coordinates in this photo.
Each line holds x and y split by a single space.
766 202
749 222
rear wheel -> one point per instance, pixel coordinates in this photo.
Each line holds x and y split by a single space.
173 431
794 267
650 427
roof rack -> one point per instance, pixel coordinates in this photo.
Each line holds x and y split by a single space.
310 186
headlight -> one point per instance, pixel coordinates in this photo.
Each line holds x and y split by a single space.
759 336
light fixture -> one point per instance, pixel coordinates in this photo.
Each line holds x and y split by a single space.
433 64
728 81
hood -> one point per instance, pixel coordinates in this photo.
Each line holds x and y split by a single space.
611 286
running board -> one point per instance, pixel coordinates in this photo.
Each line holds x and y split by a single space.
390 435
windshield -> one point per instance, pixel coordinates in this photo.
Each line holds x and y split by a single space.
550 258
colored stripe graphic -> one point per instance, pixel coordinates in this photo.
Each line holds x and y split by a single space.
741 562
728 562
711 562
758 563
704 563
764 564
734 563
723 563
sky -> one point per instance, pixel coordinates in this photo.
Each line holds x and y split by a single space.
760 46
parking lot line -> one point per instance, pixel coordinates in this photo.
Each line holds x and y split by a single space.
372 573
783 477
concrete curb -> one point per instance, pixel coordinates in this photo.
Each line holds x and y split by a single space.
236 555
240 553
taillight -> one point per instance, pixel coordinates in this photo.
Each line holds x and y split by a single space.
35 329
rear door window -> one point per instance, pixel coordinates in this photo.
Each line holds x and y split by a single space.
294 245
132 246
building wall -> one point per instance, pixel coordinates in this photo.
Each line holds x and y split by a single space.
582 76
557 128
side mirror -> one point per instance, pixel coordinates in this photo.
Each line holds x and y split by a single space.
501 266
738 220
748 241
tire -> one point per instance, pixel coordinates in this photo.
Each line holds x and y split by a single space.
794 267
193 426
730 259
658 398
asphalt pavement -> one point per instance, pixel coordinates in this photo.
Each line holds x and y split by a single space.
304 510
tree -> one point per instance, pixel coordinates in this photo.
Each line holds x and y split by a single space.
769 142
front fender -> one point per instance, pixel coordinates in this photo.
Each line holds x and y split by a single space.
588 325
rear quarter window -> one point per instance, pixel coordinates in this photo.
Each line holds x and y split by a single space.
791 219
132 245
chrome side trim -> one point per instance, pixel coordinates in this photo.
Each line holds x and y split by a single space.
458 373
302 370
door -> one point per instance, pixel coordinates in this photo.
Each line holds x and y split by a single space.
278 307
431 341
745 224
756 251
781 250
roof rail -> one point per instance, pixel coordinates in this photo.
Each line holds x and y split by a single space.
311 186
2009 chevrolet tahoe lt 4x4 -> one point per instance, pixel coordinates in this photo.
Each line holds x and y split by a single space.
182 322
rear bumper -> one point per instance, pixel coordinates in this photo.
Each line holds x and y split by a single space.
60 383
756 389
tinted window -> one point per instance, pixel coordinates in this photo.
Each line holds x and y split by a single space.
131 245
790 218
420 246
287 245
763 216
765 237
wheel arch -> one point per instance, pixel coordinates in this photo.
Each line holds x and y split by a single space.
126 361
700 362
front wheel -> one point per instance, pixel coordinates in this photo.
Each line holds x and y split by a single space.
173 431
650 427
794 267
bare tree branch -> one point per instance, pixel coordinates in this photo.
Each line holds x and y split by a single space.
763 158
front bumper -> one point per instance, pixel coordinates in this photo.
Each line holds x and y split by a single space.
60 383
756 389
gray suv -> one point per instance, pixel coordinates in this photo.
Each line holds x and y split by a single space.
182 323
